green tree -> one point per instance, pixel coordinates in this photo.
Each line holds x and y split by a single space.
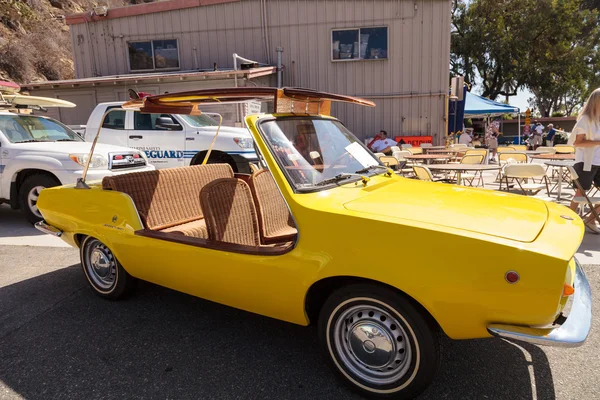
547 46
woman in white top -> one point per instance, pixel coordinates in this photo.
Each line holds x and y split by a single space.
586 139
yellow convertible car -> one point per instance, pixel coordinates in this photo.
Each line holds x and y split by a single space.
323 233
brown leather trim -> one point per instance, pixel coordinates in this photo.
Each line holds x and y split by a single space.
221 246
141 9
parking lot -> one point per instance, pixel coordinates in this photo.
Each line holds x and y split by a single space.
60 341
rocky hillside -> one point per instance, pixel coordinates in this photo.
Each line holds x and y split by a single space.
34 40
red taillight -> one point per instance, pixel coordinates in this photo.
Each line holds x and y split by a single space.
512 277
568 290
118 157
136 156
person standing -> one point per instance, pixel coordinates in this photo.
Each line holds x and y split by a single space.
536 137
586 139
492 130
550 135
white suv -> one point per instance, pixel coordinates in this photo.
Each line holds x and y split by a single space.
38 152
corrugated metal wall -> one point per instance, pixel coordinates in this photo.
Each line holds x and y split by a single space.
407 87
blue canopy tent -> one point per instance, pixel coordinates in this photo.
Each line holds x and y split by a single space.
477 106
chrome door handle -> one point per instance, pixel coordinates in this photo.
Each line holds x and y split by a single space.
136 137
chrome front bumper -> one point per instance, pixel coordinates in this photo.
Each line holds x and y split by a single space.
571 333
42 226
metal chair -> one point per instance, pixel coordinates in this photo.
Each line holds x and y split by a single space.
423 173
415 150
509 158
394 148
473 159
405 146
519 147
521 173
591 202
424 145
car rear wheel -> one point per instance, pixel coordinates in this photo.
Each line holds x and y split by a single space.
29 194
378 342
103 271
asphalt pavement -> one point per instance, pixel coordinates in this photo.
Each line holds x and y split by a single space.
60 341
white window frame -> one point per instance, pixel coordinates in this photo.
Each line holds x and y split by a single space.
153 59
358 29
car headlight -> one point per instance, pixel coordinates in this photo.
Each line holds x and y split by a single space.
244 143
97 161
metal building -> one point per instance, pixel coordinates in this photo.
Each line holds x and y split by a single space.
394 52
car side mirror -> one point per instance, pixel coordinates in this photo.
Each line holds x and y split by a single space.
167 123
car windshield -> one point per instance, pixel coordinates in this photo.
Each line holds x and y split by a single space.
198 121
28 128
318 152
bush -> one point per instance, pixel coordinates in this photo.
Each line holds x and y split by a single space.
558 114
560 138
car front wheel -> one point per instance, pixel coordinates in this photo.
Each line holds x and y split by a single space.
103 271
379 342
29 193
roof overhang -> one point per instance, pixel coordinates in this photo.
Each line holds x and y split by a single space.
141 9
286 100
134 79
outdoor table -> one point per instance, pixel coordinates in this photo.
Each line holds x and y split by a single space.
430 148
560 165
460 168
428 157
557 157
442 151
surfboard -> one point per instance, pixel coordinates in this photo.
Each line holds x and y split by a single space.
9 87
21 100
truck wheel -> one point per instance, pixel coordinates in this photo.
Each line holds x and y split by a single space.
29 193
378 342
103 271
216 157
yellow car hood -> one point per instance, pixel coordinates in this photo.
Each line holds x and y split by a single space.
498 214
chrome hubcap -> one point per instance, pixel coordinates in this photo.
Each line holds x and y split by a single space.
32 199
100 264
372 344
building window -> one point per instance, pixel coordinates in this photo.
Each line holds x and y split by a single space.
359 44
153 55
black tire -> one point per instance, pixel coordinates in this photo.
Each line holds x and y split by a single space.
378 342
104 273
31 186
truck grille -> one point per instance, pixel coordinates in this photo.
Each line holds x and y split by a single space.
125 160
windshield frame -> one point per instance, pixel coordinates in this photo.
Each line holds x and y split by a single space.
313 188
76 136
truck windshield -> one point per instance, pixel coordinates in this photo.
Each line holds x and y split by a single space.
198 121
315 152
27 128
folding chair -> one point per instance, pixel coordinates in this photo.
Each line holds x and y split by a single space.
415 150
509 158
394 148
564 149
390 162
424 145
405 146
522 172
519 147
546 150
378 155
591 202
473 159
424 174
402 162
476 152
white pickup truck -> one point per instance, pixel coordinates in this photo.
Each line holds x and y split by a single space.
171 140
38 152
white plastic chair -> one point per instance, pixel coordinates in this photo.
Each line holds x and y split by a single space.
394 148
379 155
405 146
521 173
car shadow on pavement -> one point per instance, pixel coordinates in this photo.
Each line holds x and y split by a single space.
59 340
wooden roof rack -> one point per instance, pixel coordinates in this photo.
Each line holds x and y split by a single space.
285 100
